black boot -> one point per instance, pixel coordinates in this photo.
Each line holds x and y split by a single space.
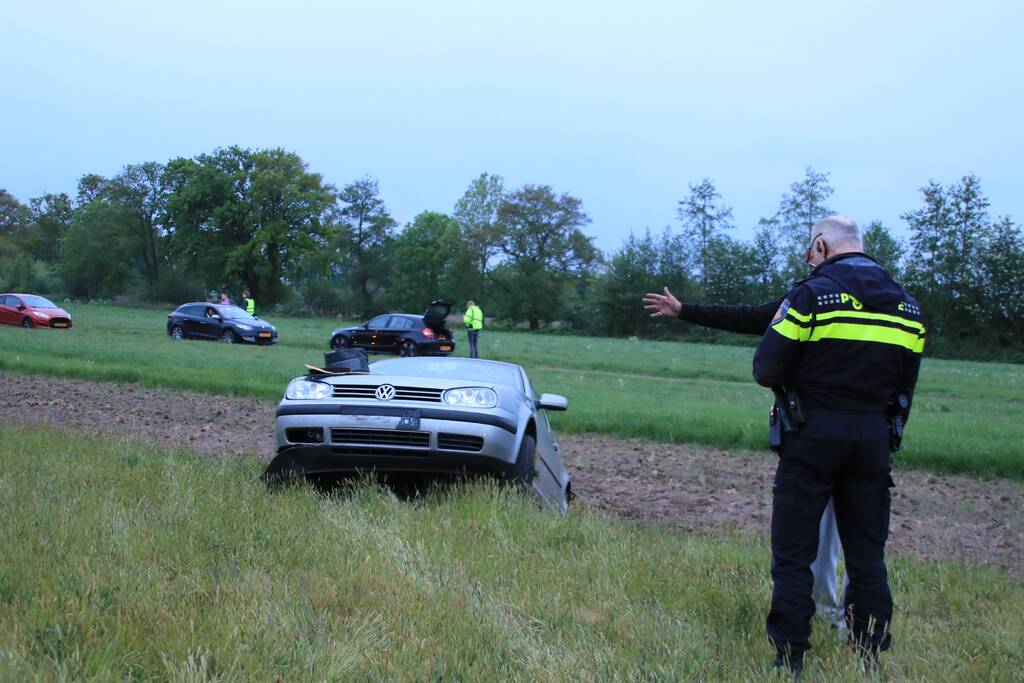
793 665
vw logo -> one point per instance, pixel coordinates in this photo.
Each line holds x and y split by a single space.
385 392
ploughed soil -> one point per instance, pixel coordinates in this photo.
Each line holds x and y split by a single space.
697 488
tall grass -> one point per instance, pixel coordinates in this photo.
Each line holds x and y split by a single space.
123 561
968 417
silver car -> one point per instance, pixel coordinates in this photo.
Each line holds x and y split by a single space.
431 416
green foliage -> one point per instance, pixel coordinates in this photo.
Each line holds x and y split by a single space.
883 247
431 255
546 248
95 252
800 208
477 214
124 561
362 241
249 217
704 217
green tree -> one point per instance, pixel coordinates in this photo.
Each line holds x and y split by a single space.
545 248
50 218
769 282
703 217
733 272
363 242
477 215
142 190
249 217
95 255
1003 283
800 208
880 244
429 251
14 219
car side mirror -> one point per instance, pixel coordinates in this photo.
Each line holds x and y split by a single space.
552 402
21 307
366 326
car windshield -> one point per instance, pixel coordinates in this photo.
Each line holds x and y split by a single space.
38 302
451 368
234 313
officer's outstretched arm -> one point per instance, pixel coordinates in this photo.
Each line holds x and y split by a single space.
782 344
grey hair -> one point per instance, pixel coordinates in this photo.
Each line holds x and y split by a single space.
839 232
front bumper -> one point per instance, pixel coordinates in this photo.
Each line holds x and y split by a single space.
351 443
255 338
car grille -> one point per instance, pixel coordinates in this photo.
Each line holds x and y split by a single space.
381 437
401 393
459 442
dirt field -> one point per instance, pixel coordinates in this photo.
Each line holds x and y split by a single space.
696 488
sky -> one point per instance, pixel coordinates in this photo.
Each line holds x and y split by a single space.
620 104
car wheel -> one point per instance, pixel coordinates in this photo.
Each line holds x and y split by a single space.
177 332
522 471
341 342
27 323
229 337
408 349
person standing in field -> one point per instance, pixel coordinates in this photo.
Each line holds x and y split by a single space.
224 300
474 322
248 303
847 342
743 319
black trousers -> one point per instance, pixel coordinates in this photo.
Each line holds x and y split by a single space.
845 456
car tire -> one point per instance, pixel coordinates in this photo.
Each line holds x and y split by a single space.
27 323
523 470
177 333
341 342
229 337
408 349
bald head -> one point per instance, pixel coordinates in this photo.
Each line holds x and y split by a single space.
839 233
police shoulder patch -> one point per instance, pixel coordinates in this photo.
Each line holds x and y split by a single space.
780 314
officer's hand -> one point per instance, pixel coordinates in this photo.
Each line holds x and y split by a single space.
662 304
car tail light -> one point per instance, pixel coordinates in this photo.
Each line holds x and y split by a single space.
427 332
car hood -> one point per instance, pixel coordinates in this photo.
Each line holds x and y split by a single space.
52 312
254 324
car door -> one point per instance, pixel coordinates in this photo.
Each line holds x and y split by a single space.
374 328
8 310
393 333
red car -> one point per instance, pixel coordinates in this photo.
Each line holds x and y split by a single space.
30 310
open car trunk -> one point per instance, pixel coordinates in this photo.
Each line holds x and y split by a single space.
437 314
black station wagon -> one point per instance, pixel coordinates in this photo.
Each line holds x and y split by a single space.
215 321
405 334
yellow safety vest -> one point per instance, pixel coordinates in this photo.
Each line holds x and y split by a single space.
250 306
474 318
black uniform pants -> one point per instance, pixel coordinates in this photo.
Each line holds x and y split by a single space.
845 456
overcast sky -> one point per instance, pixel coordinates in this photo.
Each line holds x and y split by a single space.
621 104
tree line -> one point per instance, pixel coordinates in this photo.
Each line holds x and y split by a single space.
260 220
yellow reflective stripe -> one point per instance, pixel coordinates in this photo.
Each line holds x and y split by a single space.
869 333
872 316
790 330
797 315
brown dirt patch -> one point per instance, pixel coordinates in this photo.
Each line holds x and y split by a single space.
692 487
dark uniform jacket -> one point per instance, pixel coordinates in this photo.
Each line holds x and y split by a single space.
739 318
846 338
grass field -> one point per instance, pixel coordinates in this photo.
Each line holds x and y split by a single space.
124 561
968 417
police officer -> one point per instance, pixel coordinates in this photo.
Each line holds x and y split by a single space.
743 319
844 343
474 322
249 303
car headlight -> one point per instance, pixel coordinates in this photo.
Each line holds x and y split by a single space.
40 314
243 327
302 389
472 397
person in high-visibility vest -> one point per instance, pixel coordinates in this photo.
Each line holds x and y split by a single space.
474 321
250 303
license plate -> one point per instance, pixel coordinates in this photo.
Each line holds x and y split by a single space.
265 335
410 419
60 324
446 347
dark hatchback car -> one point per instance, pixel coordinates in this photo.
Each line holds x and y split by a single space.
406 334
215 321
